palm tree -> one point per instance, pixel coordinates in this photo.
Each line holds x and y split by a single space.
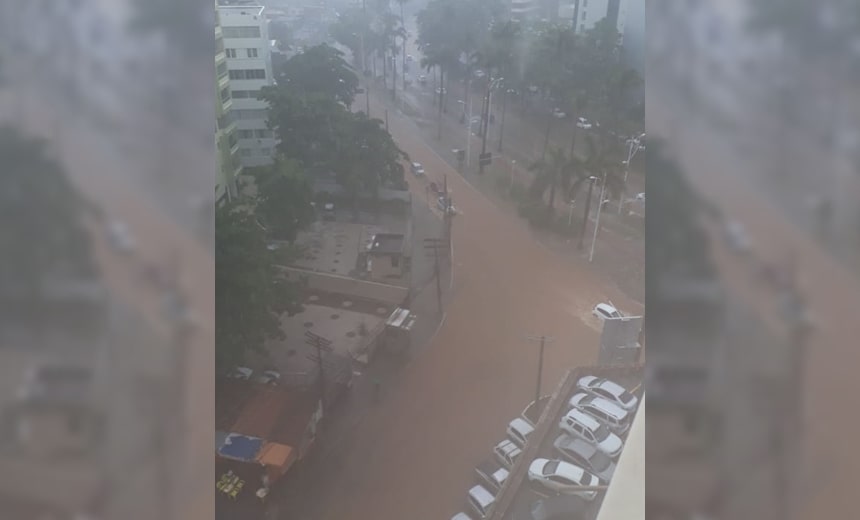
600 161
556 171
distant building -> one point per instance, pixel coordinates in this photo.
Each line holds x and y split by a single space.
521 10
584 14
386 256
229 167
247 48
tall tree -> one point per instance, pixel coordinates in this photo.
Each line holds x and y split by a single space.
320 70
48 237
283 200
553 172
250 295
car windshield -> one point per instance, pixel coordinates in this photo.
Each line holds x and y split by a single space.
601 433
626 397
550 467
589 480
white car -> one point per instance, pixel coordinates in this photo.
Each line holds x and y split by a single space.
268 377
461 516
609 390
583 123
519 430
613 416
562 477
507 452
242 373
481 501
580 424
585 455
417 169
441 90
422 79
605 311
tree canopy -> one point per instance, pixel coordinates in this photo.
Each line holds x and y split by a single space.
250 295
320 70
284 199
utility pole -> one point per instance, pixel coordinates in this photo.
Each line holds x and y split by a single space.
485 126
364 57
469 130
321 345
591 180
597 221
543 340
434 244
502 124
386 119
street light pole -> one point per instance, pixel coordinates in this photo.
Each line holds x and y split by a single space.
591 180
543 341
597 221
502 124
469 129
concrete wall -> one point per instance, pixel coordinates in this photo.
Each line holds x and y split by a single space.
359 289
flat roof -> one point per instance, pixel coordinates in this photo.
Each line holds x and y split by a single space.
268 412
387 243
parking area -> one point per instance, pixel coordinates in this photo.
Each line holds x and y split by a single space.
503 489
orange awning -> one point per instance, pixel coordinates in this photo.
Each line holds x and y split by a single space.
274 454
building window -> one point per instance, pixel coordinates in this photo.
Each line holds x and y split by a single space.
222 70
246 94
224 121
225 94
265 152
245 134
249 113
262 134
395 261
251 31
252 53
245 152
581 27
248 74
231 53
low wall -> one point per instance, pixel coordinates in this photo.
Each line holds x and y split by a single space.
391 295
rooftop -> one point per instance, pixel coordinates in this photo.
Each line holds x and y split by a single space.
346 329
271 412
387 243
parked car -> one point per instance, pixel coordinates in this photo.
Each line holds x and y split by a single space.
533 411
609 390
417 169
243 373
561 507
441 90
583 123
580 424
519 430
269 377
562 477
507 452
492 475
481 501
613 416
461 516
422 79
585 455
606 310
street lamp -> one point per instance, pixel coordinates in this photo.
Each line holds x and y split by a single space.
492 84
633 147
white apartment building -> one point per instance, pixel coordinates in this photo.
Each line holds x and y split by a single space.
584 14
522 10
246 44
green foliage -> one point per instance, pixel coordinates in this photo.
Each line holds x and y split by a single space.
284 199
250 296
320 70
44 233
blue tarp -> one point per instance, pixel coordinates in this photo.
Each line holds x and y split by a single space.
240 447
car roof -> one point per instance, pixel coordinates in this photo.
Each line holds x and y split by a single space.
606 307
461 516
570 471
583 418
481 495
521 425
611 386
608 407
574 443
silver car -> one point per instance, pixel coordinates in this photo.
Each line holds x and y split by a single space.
584 454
